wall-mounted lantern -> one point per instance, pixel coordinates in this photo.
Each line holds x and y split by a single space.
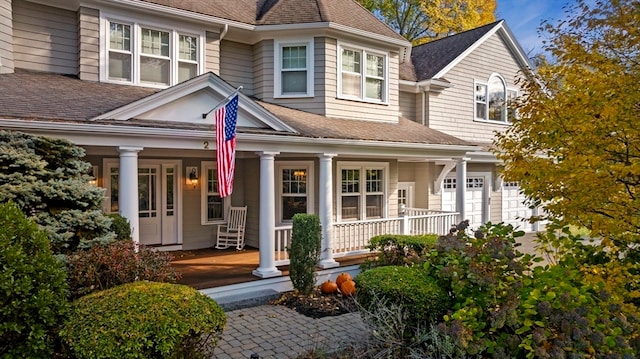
192 176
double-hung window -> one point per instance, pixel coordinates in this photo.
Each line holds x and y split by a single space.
494 101
363 75
296 189
147 55
362 191
213 206
293 68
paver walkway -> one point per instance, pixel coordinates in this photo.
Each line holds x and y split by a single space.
275 331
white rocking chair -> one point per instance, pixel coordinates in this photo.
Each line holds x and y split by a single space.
232 232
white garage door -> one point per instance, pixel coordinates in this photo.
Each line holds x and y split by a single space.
474 206
514 209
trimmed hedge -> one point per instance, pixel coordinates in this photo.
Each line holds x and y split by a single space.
398 249
33 289
144 320
304 252
424 300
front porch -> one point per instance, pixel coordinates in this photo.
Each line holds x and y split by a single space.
213 268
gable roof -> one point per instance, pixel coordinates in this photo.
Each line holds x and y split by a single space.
435 58
347 13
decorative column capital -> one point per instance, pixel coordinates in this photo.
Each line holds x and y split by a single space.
267 154
124 150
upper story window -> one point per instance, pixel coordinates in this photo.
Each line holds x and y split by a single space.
493 100
293 68
363 191
363 74
148 55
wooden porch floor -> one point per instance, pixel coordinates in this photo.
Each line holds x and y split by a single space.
210 268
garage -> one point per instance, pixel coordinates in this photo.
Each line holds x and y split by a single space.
514 209
475 198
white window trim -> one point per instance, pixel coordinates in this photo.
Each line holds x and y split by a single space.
362 166
280 165
486 85
175 29
363 77
277 66
204 166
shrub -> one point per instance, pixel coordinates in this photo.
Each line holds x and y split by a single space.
423 299
33 289
144 320
304 252
398 249
120 226
104 267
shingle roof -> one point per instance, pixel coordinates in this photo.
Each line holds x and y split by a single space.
428 59
51 97
283 12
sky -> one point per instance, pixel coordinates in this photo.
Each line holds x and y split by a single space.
524 17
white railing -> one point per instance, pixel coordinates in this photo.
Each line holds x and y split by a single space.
352 238
283 239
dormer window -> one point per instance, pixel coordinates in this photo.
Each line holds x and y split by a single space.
363 74
293 68
494 101
151 56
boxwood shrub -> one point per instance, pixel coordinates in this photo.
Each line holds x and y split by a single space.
143 320
398 249
423 299
33 289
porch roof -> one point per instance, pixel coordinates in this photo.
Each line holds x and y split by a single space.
41 97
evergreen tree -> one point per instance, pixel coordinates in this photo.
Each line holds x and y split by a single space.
49 181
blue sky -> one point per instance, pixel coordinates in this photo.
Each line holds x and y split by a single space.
524 16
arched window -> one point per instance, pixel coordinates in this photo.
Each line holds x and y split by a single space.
493 100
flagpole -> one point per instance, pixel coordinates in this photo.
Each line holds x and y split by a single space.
204 115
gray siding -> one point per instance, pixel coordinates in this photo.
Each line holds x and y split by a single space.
409 105
263 69
89 44
45 38
6 37
452 111
236 61
251 183
212 52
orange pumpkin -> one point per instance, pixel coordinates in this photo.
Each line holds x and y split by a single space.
342 277
348 288
329 287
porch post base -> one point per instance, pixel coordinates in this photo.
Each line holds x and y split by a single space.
267 273
328 263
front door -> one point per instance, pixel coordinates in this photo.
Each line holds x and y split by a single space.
157 200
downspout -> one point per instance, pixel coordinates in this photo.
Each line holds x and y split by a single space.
424 106
224 31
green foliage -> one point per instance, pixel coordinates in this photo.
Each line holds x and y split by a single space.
144 320
49 181
120 226
420 295
304 252
103 267
397 249
33 290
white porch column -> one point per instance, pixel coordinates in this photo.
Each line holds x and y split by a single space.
326 210
267 267
461 188
128 188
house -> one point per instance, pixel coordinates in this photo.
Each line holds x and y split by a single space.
338 115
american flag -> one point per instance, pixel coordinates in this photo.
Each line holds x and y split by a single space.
226 117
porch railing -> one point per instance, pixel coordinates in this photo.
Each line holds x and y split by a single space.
352 238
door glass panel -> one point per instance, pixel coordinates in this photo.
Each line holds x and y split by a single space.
114 178
147 205
170 191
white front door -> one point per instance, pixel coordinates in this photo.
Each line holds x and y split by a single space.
514 207
475 206
405 194
157 199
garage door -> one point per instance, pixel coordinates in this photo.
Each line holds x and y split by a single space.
474 206
514 209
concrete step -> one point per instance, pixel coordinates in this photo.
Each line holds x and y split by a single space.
247 300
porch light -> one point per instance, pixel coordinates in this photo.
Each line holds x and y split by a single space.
93 170
192 178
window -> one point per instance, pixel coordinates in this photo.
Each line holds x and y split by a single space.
294 70
146 55
362 191
363 75
213 205
494 101
296 187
